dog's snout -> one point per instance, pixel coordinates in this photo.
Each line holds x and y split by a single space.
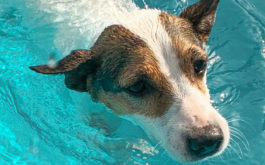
204 141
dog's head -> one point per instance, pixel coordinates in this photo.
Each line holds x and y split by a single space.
152 68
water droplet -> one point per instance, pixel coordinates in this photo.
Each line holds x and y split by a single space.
51 62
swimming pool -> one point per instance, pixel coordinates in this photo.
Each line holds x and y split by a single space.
40 121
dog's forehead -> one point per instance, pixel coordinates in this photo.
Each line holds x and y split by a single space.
152 43
178 27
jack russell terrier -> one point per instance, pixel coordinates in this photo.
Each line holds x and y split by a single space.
151 68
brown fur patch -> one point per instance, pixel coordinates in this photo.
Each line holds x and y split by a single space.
126 59
202 16
186 46
75 66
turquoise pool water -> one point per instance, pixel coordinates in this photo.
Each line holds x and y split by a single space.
40 121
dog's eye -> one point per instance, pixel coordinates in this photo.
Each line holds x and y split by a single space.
137 88
199 66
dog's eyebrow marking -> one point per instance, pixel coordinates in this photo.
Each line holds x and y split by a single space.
186 46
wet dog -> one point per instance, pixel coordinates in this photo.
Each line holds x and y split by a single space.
151 68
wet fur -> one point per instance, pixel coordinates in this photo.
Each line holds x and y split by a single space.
159 50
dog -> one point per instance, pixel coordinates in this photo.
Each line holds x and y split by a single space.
150 68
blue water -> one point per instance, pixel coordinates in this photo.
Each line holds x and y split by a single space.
39 117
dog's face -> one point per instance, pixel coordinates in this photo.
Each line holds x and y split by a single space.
152 70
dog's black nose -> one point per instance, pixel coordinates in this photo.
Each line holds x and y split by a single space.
204 141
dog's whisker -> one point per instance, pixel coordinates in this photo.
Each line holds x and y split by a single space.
229 152
233 120
221 156
240 139
239 135
243 122
237 144
235 151
240 120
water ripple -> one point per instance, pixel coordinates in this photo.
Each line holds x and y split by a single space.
39 123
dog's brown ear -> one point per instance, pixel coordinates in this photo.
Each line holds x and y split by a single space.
76 68
202 16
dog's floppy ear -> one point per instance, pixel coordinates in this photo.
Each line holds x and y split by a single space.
202 16
76 68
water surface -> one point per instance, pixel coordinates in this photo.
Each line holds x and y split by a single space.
39 116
